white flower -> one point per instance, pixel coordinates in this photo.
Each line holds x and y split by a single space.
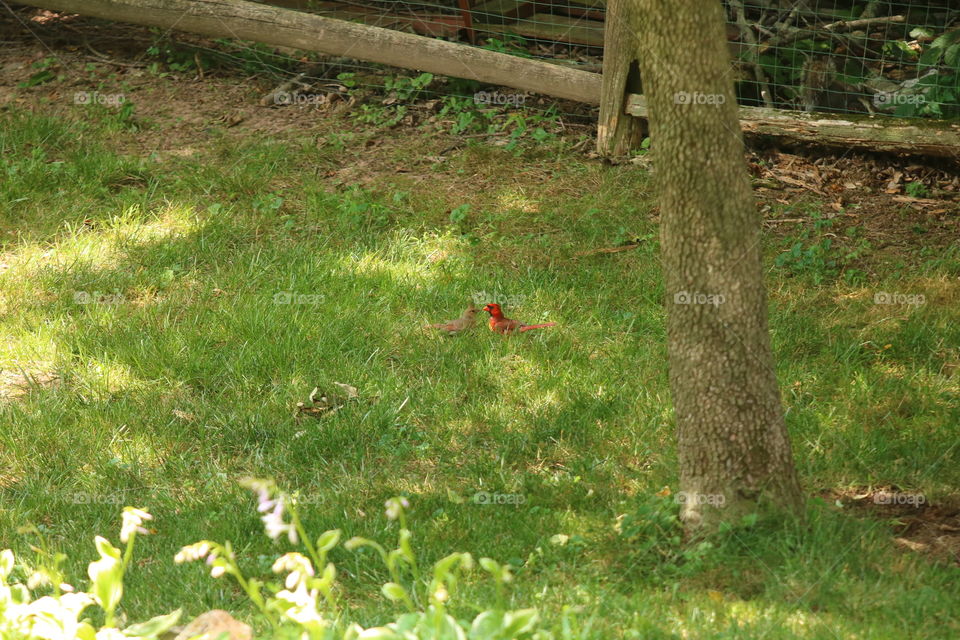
264 490
133 520
55 618
192 552
297 564
37 579
275 526
303 609
394 506
264 501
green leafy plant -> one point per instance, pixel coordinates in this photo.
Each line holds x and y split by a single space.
407 89
307 603
381 116
43 76
937 87
459 214
514 45
167 57
124 118
361 208
917 189
811 251
654 536
59 614
347 79
268 204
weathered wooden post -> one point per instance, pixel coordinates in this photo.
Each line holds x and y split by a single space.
617 132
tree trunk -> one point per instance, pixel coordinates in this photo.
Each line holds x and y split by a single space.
734 450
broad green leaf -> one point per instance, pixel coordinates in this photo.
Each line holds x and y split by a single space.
486 625
394 592
328 540
6 564
520 621
107 575
154 626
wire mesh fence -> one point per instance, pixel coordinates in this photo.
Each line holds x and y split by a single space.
878 57
846 56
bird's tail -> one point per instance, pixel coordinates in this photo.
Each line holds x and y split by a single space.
537 326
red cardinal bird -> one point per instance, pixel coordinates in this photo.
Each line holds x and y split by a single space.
503 324
462 323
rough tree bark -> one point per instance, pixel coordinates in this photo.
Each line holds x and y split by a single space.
734 450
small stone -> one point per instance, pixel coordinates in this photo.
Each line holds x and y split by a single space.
215 623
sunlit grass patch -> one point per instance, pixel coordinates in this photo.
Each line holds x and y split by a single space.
186 312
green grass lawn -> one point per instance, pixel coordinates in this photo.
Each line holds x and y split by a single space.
147 284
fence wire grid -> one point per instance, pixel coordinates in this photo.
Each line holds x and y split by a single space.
876 56
843 56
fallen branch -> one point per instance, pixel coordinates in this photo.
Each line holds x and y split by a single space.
863 22
592 252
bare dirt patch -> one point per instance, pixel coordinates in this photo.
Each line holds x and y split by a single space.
919 526
17 383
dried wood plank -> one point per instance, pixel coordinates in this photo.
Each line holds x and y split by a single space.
617 132
496 10
884 134
550 27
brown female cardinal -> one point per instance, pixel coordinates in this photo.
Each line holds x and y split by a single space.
503 324
464 322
